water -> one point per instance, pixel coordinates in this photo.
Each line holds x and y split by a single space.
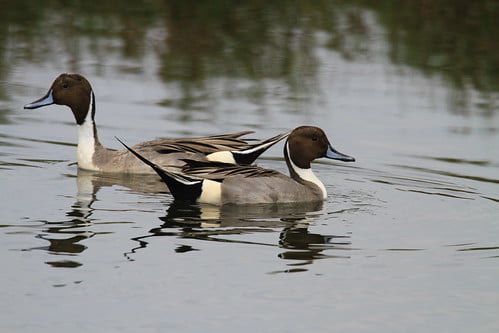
406 241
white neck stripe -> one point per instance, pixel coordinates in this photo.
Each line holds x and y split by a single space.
306 174
86 140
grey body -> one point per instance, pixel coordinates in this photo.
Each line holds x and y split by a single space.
273 189
121 161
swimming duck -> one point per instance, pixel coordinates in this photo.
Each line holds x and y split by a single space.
221 183
74 91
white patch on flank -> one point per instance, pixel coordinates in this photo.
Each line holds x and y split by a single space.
211 192
86 141
221 156
307 174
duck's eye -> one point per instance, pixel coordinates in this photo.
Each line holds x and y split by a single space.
65 85
314 138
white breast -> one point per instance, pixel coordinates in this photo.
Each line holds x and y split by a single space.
86 142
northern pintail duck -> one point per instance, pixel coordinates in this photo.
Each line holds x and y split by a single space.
221 183
74 91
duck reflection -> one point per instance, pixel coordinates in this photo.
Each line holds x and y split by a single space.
308 246
90 182
79 216
214 223
193 221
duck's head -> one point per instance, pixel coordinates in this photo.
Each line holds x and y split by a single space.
307 143
72 90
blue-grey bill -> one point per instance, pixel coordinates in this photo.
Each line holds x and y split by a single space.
336 155
45 100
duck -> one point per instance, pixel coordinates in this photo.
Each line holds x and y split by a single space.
75 91
219 183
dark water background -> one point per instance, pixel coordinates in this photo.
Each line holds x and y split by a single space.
408 239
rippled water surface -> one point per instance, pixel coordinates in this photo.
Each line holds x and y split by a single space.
408 239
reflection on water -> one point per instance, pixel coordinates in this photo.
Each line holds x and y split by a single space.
79 218
454 38
215 224
238 215
290 222
218 224
193 221
258 41
91 182
78 226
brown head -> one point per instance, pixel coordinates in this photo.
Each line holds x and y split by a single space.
307 143
72 90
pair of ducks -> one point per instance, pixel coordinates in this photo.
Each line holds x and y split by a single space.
214 169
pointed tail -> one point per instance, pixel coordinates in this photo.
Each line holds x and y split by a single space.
249 155
181 187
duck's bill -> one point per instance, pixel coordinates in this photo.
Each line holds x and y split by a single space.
336 155
44 101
